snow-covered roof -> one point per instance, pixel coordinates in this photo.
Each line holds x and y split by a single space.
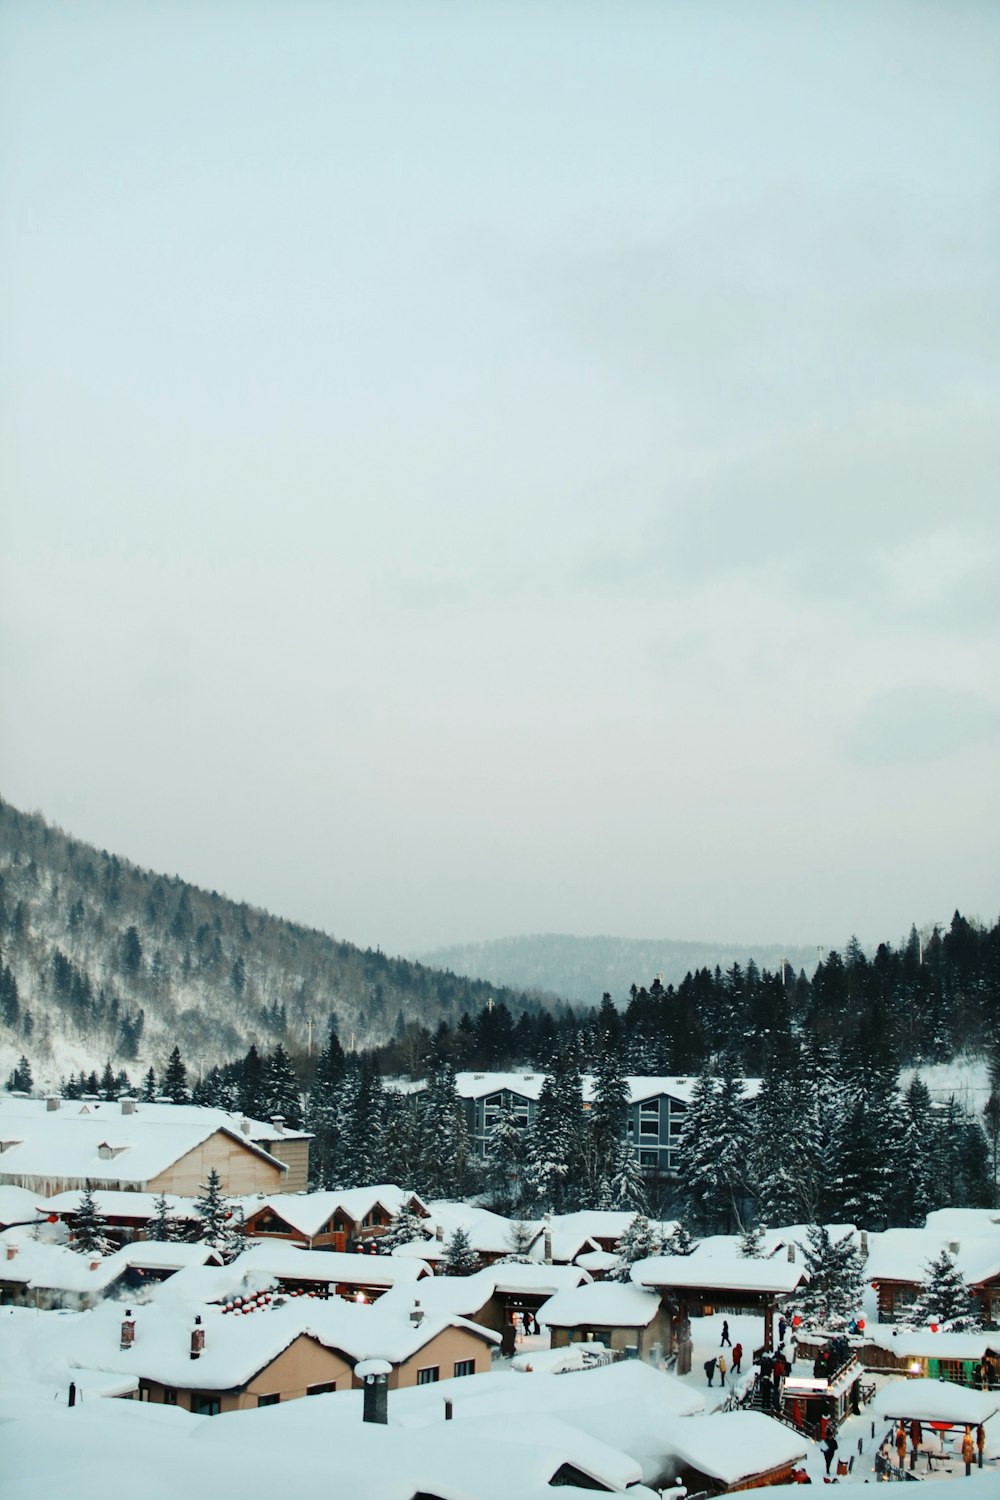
904 1255
720 1265
489 1233
17 1204
935 1401
601 1304
467 1295
732 1446
112 1203
640 1086
97 1143
290 1262
41 1266
309 1213
922 1344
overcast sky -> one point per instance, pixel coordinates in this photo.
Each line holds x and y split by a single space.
480 468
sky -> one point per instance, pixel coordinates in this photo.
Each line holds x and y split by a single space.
481 468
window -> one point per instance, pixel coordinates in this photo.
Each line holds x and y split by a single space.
271 1399
676 1126
169 1396
649 1158
465 1367
428 1375
650 1107
649 1127
321 1390
205 1406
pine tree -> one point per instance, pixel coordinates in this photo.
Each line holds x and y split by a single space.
360 1127
945 1299
460 1258
164 1226
554 1149
445 1137
149 1088
174 1081
252 1094
282 1089
832 1294
639 1242
627 1188
786 1149
505 1159
222 1223
90 1227
918 1150
610 1101
406 1227
679 1241
322 1112
20 1079
752 1242
520 1237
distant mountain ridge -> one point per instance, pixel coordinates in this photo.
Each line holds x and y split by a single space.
581 969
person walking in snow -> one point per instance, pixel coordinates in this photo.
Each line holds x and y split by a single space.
782 1325
722 1369
737 1358
725 1339
968 1451
829 1449
710 1369
901 1444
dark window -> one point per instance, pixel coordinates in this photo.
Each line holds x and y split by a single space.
428 1375
649 1127
649 1158
321 1390
169 1396
205 1406
650 1107
271 1399
465 1367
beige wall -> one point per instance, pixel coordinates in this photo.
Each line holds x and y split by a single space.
445 1350
658 1332
304 1363
240 1169
295 1155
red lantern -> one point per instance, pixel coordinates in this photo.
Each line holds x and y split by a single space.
861 1325
934 1328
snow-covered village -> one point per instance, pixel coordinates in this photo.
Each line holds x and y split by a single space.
167 1303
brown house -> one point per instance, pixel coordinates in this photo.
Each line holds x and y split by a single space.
340 1220
617 1314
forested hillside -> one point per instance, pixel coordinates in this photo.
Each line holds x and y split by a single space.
104 960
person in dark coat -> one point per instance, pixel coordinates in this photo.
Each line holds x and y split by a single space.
725 1339
710 1369
829 1449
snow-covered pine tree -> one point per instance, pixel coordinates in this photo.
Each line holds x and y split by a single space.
445 1137
460 1258
680 1241
520 1237
221 1221
163 1226
945 1299
752 1242
322 1111
505 1160
919 1151
20 1080
149 1086
554 1149
90 1235
627 1188
832 1295
639 1242
406 1227
606 1117
174 1081
786 1147
252 1090
283 1096
360 1122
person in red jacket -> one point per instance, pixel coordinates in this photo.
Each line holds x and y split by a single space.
737 1358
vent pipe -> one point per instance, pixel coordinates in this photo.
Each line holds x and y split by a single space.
52 1103
416 1314
128 1329
197 1338
128 1106
791 1253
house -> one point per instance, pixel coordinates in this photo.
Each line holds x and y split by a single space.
494 1296
126 1215
652 1124
45 1275
339 1220
717 1278
52 1146
898 1261
723 1452
283 1350
329 1273
620 1315
970 1359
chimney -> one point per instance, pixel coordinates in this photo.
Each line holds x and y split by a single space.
955 1247
128 1329
128 1106
375 1374
278 1121
52 1103
864 1244
11 1251
791 1252
416 1314
439 1233
245 1126
547 1241
448 1409
197 1338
